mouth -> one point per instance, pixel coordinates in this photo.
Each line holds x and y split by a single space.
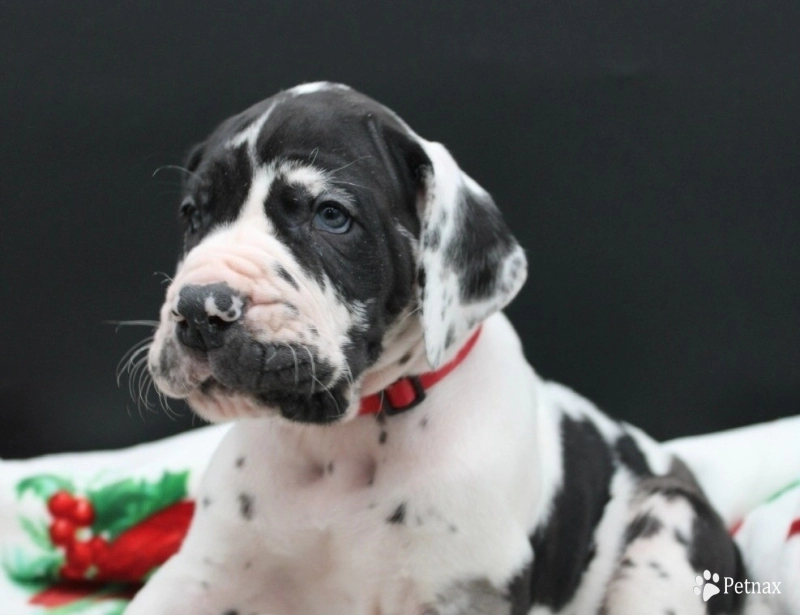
284 377
306 403
257 368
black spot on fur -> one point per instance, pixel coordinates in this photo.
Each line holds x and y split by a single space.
313 331
681 538
231 612
450 337
330 467
398 517
240 462
643 526
282 273
423 423
382 437
421 277
479 246
204 584
433 238
205 502
627 563
564 546
291 308
663 574
630 454
405 359
246 505
709 547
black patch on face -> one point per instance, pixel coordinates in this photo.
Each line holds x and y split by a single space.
217 188
479 247
564 545
643 526
630 454
282 273
246 506
398 517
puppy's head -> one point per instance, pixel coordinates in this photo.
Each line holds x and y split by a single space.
316 223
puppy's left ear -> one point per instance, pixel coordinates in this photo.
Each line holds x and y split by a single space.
469 265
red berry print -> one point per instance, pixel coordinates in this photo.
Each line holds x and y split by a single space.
99 546
60 504
62 532
82 513
80 556
71 573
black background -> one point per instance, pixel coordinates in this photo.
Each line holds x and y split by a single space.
646 155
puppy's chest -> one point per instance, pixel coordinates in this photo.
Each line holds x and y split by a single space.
345 528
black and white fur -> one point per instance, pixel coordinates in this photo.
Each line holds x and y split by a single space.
329 251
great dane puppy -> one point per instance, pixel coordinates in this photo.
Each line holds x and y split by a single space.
393 453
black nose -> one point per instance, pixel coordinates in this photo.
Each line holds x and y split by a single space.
205 314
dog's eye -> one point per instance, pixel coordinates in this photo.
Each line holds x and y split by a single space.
331 217
191 215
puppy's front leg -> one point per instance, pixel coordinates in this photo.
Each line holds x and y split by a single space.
179 588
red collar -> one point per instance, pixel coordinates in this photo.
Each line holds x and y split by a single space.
407 392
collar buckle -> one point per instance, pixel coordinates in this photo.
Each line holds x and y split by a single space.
403 395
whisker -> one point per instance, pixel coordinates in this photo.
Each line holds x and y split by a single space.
296 366
175 167
131 323
349 164
167 279
126 362
340 181
313 369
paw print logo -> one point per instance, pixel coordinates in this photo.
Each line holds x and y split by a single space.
710 588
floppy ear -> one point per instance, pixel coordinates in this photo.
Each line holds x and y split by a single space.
469 265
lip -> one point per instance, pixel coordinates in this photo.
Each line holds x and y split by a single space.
270 381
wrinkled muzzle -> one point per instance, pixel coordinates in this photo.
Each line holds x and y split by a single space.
245 331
